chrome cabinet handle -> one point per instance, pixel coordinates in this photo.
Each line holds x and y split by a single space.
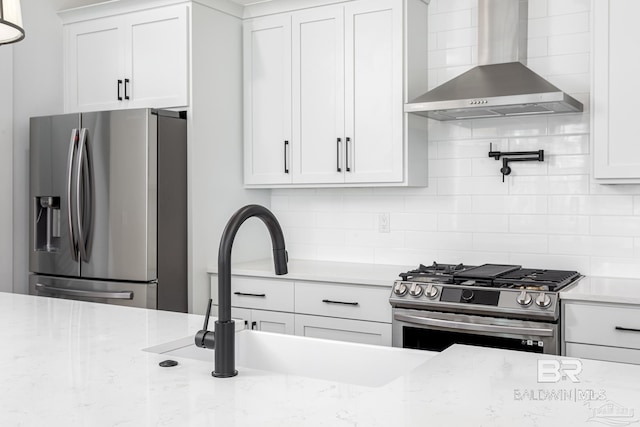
621 328
84 293
244 294
72 237
328 301
450 324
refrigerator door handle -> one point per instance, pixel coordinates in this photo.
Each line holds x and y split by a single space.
72 238
83 196
52 290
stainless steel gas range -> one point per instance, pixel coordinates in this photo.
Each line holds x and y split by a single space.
494 305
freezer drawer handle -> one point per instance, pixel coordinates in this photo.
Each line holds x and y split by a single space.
451 324
622 328
83 293
249 295
328 301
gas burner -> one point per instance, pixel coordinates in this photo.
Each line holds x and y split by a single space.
430 273
538 279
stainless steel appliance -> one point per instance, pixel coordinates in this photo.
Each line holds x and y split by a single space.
108 214
501 85
502 306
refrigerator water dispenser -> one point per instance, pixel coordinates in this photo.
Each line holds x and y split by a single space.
47 223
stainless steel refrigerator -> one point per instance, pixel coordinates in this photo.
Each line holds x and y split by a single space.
108 214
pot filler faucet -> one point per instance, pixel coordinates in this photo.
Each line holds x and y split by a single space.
223 337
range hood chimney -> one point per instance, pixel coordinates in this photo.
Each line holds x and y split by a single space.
501 85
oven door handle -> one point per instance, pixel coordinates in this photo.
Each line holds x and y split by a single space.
451 324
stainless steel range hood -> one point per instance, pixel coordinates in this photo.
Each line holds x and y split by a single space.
501 85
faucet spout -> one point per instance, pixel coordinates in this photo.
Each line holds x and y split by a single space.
224 332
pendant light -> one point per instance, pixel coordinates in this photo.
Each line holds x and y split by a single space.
11 30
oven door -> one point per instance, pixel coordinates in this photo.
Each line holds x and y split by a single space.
435 331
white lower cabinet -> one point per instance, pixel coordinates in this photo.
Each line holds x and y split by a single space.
342 312
602 331
332 328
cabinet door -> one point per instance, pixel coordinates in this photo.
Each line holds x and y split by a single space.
273 321
318 95
267 100
343 330
156 57
615 84
373 83
94 64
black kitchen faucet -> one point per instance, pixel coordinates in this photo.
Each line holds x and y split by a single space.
223 336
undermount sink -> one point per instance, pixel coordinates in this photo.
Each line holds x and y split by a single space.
351 363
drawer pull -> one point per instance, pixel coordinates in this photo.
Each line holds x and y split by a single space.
620 328
249 295
328 301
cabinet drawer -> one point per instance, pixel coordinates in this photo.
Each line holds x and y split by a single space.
262 294
599 352
343 330
351 302
602 325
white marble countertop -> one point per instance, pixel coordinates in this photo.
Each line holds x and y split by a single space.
75 363
323 271
604 289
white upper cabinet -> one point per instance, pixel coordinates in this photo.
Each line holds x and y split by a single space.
340 70
616 67
267 100
373 81
130 60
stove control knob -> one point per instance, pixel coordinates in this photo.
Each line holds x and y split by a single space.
416 290
431 291
467 295
524 298
400 289
543 300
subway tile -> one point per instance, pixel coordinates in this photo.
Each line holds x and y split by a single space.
569 44
486 167
447 73
549 224
302 251
510 127
346 220
279 203
414 221
449 167
373 239
568 123
373 203
565 7
552 145
470 148
295 218
438 204
591 245
569 165
559 262
315 203
528 184
569 184
559 24
403 257
449 5
314 236
636 205
537 47
572 84
452 20
615 267
537 8
342 253
597 187
444 131
561 64
615 226
509 204
636 247
510 242
471 185
450 241
473 222
590 205
456 38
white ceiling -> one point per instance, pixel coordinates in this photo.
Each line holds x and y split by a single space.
68 4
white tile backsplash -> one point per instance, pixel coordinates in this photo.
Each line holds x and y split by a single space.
545 215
